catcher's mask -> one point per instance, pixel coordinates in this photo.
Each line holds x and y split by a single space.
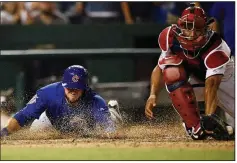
191 30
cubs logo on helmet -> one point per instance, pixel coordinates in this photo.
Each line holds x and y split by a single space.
75 77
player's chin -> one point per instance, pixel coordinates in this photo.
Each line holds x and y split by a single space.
73 99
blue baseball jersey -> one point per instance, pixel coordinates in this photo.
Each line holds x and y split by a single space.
91 110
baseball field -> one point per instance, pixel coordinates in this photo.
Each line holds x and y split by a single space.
141 142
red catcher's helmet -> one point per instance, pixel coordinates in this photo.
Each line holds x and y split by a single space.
191 29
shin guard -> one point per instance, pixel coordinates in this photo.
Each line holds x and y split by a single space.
185 103
182 94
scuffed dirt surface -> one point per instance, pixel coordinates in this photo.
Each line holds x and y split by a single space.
146 135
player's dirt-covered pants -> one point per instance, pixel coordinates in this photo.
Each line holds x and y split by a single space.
226 93
42 123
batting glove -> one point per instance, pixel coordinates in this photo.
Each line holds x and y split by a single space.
4 132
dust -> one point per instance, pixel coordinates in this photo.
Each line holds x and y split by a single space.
165 131
135 135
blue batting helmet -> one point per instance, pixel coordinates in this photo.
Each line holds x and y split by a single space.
75 77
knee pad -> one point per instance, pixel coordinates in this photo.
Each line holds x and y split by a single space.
174 76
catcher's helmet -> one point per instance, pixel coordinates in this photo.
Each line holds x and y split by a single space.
194 21
75 77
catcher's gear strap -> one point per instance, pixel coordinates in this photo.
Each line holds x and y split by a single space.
165 39
184 101
214 123
172 87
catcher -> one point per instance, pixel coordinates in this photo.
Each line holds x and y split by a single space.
191 51
68 106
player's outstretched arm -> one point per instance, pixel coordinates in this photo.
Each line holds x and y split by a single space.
156 77
34 108
211 86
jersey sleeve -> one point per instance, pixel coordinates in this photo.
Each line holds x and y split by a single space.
102 114
217 60
34 108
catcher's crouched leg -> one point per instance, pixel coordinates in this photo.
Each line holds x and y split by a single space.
217 128
184 100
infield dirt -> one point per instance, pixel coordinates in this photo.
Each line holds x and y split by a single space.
146 135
